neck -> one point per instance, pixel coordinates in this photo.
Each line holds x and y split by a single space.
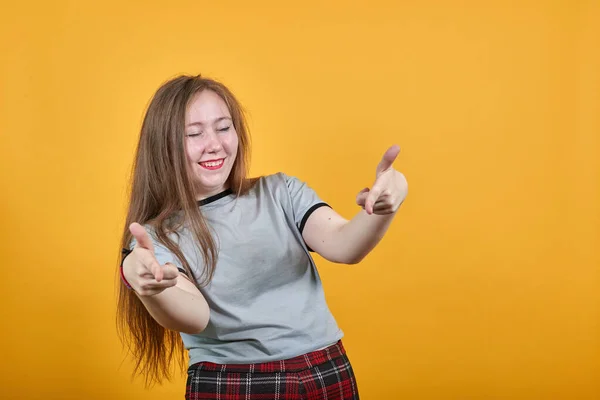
203 195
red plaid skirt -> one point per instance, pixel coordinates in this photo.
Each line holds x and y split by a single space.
321 375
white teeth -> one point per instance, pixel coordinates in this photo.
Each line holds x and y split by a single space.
212 164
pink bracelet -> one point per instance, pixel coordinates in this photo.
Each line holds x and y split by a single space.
125 253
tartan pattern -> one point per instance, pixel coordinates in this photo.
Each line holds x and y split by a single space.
321 375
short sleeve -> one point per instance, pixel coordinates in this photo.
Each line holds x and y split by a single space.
304 200
162 254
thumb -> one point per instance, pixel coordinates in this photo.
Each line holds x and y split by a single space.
170 271
371 198
388 159
141 236
361 197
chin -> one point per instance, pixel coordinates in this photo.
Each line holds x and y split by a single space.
212 187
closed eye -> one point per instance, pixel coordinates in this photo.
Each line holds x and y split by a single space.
224 129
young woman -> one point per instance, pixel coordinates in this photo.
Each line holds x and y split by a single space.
220 263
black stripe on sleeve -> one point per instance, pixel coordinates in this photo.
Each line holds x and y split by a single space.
124 253
308 214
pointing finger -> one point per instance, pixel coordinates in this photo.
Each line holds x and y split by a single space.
141 236
388 159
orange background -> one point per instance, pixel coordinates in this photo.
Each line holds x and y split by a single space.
487 286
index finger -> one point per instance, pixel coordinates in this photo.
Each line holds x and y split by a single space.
388 159
141 236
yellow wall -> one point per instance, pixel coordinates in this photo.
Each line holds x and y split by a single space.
486 287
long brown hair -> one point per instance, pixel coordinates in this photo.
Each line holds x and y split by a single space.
161 187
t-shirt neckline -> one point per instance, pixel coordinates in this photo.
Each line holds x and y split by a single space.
214 197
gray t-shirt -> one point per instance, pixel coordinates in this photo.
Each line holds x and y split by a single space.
266 298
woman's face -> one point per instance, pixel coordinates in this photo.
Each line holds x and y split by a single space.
211 143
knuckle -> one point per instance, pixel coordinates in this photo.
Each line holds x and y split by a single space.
141 272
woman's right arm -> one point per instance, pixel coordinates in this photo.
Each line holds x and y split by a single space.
170 297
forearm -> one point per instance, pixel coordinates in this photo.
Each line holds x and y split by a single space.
178 310
355 239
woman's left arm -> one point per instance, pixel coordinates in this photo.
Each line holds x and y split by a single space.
349 241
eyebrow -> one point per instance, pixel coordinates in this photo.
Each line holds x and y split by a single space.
214 122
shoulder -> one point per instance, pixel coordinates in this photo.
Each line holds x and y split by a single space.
282 188
274 181
285 180
278 187
276 178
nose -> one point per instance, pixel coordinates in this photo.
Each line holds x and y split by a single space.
214 144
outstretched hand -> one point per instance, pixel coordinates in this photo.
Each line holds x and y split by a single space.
388 191
141 268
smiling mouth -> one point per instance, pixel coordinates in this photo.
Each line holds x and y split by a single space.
212 164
